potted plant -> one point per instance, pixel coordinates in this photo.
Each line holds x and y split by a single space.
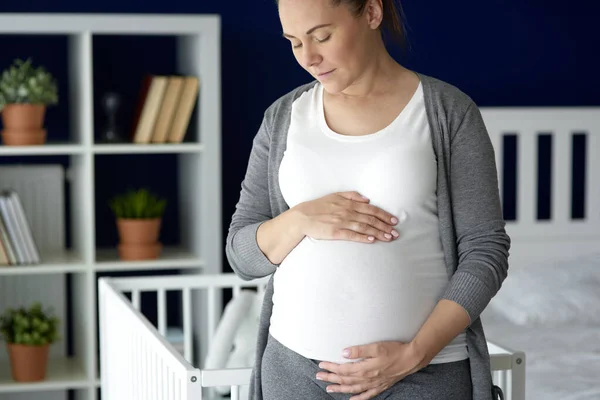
138 216
25 92
28 334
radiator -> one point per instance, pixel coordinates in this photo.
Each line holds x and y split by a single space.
42 192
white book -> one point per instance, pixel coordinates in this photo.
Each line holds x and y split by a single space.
25 227
11 227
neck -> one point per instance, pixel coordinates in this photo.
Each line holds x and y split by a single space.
379 77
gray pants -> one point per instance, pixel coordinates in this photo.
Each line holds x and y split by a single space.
286 375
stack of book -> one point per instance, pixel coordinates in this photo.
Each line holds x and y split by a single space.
17 245
164 108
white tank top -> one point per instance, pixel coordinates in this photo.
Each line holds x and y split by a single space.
331 294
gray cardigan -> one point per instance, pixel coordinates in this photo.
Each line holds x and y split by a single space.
472 228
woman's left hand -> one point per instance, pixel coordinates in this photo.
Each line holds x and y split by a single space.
383 364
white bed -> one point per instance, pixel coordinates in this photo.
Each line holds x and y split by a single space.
563 363
549 306
551 311
559 336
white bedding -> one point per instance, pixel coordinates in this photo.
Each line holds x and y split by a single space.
562 361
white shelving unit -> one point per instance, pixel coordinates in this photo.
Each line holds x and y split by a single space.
198 169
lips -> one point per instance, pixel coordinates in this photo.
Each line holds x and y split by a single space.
325 73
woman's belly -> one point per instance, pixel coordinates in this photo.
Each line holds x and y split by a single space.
332 294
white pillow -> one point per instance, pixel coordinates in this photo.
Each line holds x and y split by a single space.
557 293
234 342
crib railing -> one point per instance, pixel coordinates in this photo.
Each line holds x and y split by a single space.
508 370
138 362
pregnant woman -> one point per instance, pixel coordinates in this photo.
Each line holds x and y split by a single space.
371 197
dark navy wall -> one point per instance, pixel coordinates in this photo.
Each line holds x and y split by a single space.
502 53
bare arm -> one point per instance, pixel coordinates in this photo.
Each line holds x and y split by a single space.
278 236
337 216
447 320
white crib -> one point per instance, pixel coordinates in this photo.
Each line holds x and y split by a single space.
146 365
137 361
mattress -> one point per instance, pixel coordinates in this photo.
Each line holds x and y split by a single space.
562 362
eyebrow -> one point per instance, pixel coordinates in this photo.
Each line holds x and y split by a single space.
311 30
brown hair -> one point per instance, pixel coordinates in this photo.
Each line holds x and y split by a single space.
393 17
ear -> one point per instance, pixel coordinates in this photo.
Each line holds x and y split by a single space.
374 13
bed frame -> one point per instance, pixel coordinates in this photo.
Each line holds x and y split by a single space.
137 361
560 236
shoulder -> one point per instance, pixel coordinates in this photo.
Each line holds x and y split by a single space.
281 108
443 91
449 104
445 95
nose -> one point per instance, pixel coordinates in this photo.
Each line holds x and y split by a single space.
310 57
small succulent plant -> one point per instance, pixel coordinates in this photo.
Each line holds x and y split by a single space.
31 326
24 83
137 204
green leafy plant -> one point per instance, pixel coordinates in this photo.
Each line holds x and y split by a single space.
32 327
24 83
137 204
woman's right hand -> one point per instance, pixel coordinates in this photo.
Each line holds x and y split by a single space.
346 216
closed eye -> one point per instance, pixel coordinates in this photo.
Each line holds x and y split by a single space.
317 40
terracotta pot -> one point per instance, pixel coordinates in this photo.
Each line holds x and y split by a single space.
138 231
28 363
14 137
23 117
136 252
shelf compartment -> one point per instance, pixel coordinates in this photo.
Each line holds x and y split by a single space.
62 55
127 76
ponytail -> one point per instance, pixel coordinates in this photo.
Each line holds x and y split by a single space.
393 21
393 17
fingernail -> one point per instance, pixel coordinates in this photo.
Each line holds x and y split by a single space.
394 220
387 236
395 233
319 378
346 353
371 238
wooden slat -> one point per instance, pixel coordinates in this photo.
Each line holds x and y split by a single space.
187 324
162 313
135 299
561 177
526 178
592 193
212 314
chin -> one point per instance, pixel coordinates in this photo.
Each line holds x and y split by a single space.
333 87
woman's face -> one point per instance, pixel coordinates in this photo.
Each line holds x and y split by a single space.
328 41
